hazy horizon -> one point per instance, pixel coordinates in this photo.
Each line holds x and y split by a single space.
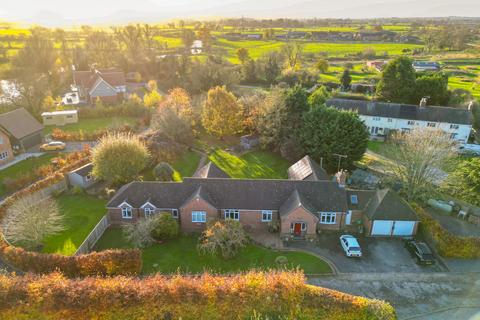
67 12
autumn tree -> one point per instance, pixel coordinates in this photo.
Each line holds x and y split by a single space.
152 98
119 158
322 66
292 52
416 158
223 237
222 115
31 219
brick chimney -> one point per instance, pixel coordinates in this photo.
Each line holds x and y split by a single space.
341 178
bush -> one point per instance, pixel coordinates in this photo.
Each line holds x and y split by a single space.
139 234
447 244
223 237
276 295
165 227
105 263
163 172
281 260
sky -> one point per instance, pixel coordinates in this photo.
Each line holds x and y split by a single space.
69 12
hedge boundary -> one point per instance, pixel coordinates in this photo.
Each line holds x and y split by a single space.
254 295
447 244
110 262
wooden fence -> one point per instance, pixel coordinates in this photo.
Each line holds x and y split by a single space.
93 237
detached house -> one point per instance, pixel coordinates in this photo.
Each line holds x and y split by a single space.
383 117
19 131
108 85
306 203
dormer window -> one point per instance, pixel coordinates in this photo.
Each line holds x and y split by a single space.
149 211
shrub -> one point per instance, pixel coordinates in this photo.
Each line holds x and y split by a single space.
139 234
119 157
106 263
276 295
164 227
163 172
77 190
223 237
281 260
447 244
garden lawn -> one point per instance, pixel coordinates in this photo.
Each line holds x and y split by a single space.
91 125
181 255
82 213
23 167
252 165
185 166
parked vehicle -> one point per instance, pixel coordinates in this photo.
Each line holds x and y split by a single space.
53 146
469 149
351 246
420 251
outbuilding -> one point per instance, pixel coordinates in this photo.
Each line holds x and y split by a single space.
82 177
22 129
60 118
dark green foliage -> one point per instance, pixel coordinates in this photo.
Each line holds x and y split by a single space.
272 67
464 181
346 79
397 83
163 172
164 227
328 131
434 86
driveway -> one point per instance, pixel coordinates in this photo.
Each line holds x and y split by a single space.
421 296
379 255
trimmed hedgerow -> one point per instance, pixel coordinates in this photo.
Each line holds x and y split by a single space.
447 244
110 262
276 295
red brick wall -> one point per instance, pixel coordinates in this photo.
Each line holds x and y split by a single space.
5 146
252 219
299 215
115 216
185 213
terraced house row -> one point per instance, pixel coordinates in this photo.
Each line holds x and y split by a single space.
306 203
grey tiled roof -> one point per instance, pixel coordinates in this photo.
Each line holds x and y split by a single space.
388 205
210 170
294 201
84 171
19 123
243 194
403 111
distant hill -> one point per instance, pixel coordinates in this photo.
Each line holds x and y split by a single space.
54 12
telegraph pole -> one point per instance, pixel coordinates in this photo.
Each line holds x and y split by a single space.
340 156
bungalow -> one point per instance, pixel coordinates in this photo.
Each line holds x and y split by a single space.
426 66
383 117
306 203
19 131
108 85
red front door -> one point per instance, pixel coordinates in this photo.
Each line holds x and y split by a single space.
297 230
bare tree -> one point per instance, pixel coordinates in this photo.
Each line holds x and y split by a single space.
416 159
32 218
223 237
139 234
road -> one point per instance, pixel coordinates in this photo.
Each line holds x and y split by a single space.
415 296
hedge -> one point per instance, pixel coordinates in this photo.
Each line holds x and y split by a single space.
255 295
111 262
447 244
59 134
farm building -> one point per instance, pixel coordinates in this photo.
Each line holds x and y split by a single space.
60 118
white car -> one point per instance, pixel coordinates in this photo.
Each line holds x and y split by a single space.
351 246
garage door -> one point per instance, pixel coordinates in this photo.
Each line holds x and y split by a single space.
403 228
382 228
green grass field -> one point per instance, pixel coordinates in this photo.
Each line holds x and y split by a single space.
181 255
91 125
185 166
252 165
82 213
22 168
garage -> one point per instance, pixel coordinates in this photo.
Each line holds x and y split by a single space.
386 214
382 228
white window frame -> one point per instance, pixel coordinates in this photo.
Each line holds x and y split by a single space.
454 126
4 155
304 226
328 218
431 125
148 211
267 215
127 213
411 122
88 177
175 213
390 120
352 197
199 216
228 213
